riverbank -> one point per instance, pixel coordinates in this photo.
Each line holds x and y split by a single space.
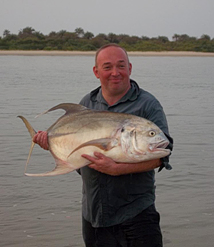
92 53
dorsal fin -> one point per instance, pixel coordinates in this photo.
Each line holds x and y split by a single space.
67 107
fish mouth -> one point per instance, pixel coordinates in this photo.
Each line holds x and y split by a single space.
159 146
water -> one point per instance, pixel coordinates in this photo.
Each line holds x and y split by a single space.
47 211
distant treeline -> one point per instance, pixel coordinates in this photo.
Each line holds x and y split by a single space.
79 40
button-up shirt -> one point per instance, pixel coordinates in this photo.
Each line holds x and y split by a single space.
110 200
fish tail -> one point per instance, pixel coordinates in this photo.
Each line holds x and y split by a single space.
30 152
32 133
28 126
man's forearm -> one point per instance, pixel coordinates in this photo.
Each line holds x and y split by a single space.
108 166
124 168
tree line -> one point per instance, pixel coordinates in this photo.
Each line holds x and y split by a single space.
30 39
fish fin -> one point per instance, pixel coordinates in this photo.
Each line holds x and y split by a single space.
102 143
68 107
32 133
30 152
28 126
62 167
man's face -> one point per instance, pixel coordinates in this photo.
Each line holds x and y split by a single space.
113 69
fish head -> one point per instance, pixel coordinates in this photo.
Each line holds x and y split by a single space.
144 141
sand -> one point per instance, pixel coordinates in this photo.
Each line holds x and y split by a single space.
92 53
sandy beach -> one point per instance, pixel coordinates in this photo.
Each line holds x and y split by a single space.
92 53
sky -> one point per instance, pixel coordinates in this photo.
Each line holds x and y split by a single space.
151 18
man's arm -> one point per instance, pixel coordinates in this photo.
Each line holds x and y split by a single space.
106 165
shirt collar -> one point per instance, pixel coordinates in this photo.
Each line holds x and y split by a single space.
132 94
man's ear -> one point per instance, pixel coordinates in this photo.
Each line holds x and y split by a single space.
95 70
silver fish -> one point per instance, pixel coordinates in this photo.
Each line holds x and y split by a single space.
122 137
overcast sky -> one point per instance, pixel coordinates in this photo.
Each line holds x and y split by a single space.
150 18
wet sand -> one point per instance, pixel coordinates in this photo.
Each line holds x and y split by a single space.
92 53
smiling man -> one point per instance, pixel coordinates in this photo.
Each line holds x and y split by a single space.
118 205
113 69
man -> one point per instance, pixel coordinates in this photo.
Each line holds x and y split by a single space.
118 205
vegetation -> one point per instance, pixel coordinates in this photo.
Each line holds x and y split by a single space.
30 39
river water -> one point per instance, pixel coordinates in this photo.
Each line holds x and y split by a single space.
47 211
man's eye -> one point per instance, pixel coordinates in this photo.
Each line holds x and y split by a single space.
121 66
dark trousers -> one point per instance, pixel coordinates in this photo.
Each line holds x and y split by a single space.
141 231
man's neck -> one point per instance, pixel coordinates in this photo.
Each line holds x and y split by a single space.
112 99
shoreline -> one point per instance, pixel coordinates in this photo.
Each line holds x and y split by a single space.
92 53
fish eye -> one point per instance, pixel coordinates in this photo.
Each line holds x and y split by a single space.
152 133
122 130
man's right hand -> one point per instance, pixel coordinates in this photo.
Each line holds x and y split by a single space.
41 138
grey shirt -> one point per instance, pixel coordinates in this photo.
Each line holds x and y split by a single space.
110 200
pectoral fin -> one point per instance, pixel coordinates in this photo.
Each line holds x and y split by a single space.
102 143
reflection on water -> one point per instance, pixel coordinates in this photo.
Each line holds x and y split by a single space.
47 211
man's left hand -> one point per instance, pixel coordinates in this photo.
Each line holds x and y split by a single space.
101 163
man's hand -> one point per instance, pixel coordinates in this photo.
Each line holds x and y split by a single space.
41 138
108 166
101 163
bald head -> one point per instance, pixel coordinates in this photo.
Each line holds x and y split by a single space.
107 46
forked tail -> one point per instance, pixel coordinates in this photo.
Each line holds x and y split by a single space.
32 133
62 167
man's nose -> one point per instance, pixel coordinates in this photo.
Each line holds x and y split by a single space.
115 71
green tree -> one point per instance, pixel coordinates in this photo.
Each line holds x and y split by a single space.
39 35
29 39
112 38
6 33
175 37
102 36
61 33
26 32
183 37
52 34
98 41
205 37
145 38
163 39
88 35
79 31
130 40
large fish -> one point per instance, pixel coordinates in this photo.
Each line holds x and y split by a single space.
122 137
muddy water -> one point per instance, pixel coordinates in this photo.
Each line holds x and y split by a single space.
47 211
